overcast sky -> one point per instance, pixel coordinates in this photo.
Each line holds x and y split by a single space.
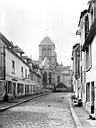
25 22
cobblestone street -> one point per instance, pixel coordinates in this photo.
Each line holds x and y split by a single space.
50 111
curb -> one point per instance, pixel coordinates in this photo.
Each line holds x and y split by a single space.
76 119
16 104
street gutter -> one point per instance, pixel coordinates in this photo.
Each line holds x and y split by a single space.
76 119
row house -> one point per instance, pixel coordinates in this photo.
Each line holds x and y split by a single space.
87 33
16 74
37 70
76 69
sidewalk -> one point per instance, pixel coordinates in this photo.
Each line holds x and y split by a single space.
17 101
81 116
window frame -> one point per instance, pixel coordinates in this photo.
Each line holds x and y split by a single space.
22 71
88 60
25 73
13 66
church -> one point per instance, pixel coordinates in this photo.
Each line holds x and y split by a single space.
53 72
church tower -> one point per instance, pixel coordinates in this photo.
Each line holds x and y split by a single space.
48 60
47 49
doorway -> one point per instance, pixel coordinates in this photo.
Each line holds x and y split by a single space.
14 89
92 97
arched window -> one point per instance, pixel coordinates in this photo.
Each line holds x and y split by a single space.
43 51
50 51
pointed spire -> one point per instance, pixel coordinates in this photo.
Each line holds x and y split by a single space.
47 41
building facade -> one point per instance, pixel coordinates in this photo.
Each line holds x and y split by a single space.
63 75
76 70
53 73
87 33
17 78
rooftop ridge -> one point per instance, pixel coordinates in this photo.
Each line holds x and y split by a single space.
47 41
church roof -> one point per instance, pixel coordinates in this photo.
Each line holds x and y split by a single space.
46 41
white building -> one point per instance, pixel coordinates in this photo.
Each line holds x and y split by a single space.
17 75
87 32
76 70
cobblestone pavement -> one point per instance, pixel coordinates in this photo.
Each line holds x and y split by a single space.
50 111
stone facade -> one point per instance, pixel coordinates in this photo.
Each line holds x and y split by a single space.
54 73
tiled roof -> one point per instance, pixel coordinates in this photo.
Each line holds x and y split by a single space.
17 49
5 40
11 47
47 41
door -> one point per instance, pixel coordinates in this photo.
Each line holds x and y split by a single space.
92 97
14 89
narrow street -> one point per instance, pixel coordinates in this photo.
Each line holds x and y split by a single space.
50 111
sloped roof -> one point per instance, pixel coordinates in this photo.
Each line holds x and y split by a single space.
61 85
6 41
47 41
17 49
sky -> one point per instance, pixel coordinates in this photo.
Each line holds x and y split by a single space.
27 22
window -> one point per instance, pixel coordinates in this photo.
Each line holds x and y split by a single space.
2 63
31 76
45 77
50 50
22 71
86 27
9 86
26 89
13 67
77 63
25 73
92 16
88 92
44 51
20 88
88 57
58 79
